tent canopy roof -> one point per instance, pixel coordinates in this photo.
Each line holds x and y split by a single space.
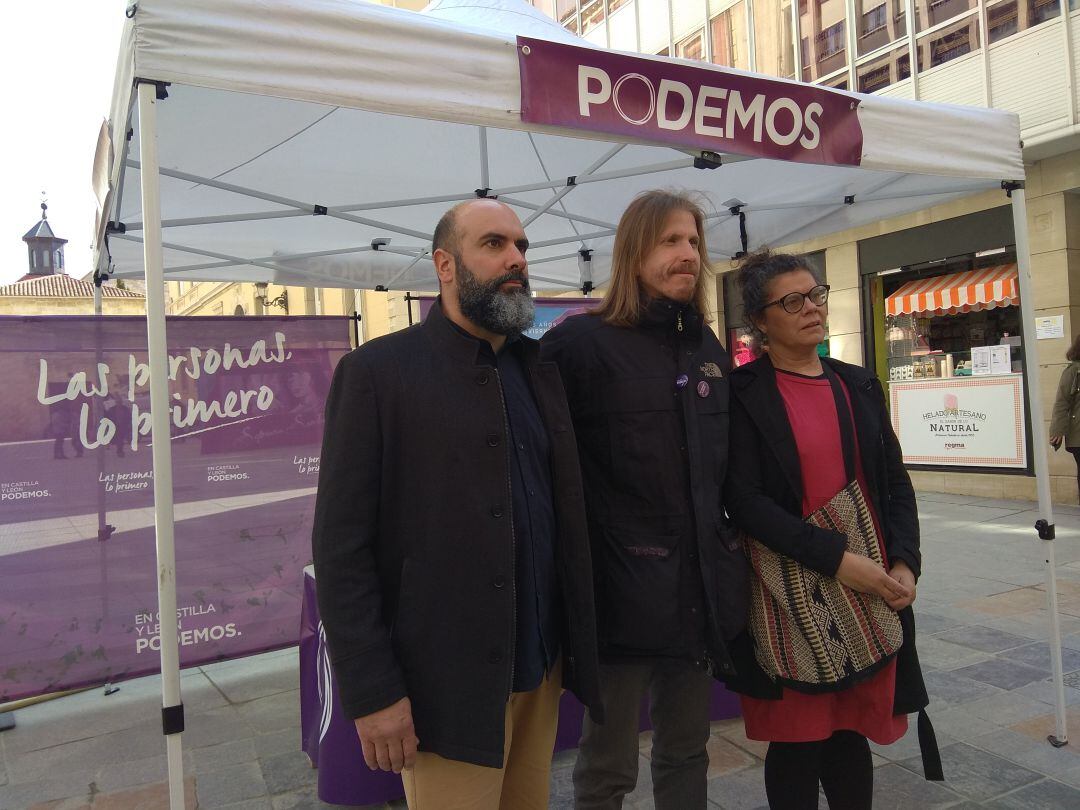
320 146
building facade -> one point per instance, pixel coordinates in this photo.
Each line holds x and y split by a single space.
894 303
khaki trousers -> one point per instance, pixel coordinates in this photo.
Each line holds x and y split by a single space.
436 783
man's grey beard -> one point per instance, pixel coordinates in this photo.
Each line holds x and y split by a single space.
504 313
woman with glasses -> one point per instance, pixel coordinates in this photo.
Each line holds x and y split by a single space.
799 424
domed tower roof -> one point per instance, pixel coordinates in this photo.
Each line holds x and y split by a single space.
44 249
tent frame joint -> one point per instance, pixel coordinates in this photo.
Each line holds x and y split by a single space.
708 160
319 211
1045 530
849 199
1009 186
485 193
115 227
172 719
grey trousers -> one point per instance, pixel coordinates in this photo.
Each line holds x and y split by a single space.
607 763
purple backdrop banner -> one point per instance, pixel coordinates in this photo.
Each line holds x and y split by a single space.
78 604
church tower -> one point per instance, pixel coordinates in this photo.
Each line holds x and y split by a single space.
45 251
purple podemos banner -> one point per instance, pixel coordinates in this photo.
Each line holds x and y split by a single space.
78 600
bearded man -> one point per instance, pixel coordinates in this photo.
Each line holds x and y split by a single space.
451 553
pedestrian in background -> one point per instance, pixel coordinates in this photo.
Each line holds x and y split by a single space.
1065 420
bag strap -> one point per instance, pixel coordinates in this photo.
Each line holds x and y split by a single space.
843 416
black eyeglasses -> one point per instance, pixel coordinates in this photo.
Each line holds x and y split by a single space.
794 302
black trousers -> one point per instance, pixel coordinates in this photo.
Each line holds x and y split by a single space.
607 763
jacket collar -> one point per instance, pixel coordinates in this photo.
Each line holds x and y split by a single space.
754 384
450 339
663 314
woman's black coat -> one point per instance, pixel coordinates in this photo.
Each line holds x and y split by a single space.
765 491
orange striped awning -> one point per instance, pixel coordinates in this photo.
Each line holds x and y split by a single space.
971 291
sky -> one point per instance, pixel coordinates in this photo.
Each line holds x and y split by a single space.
57 60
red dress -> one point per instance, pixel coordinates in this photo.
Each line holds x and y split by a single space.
866 707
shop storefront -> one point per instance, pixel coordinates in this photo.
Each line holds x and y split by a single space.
946 341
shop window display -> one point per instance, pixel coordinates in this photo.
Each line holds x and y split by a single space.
938 318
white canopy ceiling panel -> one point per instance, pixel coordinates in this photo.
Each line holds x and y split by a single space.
335 124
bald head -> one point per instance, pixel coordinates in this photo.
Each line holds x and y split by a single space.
448 232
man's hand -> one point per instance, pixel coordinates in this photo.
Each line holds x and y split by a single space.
387 737
865 576
902 574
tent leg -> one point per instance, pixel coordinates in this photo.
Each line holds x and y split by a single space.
1045 525
172 708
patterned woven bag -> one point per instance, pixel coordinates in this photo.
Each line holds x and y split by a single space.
811 632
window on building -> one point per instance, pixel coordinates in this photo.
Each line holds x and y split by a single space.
564 10
951 42
592 15
45 259
665 52
544 6
830 41
692 47
1043 10
938 11
773 43
58 261
1005 19
615 5
838 82
873 20
880 23
730 41
824 46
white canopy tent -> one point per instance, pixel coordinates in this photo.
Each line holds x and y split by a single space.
316 142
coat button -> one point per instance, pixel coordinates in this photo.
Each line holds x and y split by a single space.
493 439
496 511
499 581
482 378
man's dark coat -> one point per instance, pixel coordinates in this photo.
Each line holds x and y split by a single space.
413 539
650 407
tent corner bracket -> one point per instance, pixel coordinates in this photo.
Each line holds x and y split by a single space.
1009 186
162 88
1045 530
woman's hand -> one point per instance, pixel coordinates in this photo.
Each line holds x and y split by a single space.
902 574
866 576
1055 441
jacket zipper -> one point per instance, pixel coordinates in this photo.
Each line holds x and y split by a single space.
513 539
678 321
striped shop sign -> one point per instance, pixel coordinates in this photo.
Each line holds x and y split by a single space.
970 291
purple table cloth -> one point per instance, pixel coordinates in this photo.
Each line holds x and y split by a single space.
330 741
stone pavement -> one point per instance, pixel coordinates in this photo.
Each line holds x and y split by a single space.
981 615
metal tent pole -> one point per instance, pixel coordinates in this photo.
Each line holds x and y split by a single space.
172 710
1045 525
